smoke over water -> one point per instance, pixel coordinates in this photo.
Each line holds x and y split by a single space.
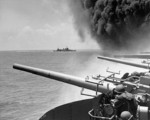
114 24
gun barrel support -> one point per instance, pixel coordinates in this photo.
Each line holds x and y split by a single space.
80 82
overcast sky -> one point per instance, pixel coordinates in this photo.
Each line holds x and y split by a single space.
38 24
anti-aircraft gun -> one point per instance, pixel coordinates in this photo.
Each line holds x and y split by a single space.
126 98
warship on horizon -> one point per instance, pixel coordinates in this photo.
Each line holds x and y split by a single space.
64 50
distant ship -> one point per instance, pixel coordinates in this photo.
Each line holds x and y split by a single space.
64 50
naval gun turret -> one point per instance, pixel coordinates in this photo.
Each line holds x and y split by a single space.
131 101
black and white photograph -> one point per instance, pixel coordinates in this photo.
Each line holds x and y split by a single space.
74 60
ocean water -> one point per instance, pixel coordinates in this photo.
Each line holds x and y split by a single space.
24 96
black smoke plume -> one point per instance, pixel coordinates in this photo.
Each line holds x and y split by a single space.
115 24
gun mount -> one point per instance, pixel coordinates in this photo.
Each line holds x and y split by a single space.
126 98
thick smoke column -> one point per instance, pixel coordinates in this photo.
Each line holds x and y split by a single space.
115 24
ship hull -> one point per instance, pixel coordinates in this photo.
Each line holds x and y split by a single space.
64 50
71 111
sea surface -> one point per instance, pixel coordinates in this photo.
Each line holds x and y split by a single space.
24 96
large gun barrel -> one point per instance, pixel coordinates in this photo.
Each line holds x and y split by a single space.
123 62
77 81
140 56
